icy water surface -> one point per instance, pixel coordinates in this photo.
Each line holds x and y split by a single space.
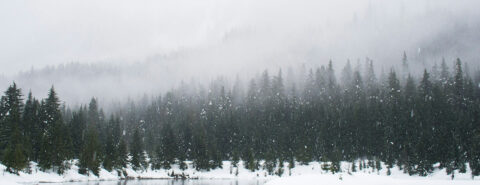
173 182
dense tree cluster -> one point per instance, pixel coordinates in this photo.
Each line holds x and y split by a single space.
410 121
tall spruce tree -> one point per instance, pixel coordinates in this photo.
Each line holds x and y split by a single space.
55 141
78 129
424 129
122 158
136 151
14 154
168 147
392 144
32 129
110 146
89 157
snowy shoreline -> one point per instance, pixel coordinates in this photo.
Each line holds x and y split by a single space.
300 173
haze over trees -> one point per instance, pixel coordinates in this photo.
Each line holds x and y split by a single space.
224 37
396 117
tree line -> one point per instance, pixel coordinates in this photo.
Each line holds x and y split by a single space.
412 121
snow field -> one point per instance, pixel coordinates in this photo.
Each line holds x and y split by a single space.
301 174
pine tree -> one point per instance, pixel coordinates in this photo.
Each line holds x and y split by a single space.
122 160
63 146
168 147
11 109
347 74
270 162
459 85
423 131
55 142
201 160
119 154
405 70
57 134
78 130
408 125
14 154
137 152
110 146
444 74
474 162
235 157
392 119
31 129
249 161
89 159
185 149
461 125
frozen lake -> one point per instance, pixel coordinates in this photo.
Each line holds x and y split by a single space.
172 182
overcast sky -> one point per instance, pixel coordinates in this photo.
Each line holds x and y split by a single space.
50 32
157 43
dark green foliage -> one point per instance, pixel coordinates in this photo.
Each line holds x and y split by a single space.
201 160
378 165
10 114
32 130
13 142
235 158
166 151
56 143
403 119
137 152
169 147
474 161
89 158
122 158
354 167
280 169
335 167
15 156
250 162
62 146
78 125
111 145
270 163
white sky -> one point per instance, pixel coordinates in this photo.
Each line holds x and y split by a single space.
173 40
50 32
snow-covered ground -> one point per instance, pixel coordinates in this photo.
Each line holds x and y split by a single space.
363 178
301 174
305 176
37 176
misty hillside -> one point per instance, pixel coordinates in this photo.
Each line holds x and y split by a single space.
233 56
187 91
421 123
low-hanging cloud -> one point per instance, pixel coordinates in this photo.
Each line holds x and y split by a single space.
127 48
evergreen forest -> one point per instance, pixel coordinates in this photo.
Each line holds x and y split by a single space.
415 121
